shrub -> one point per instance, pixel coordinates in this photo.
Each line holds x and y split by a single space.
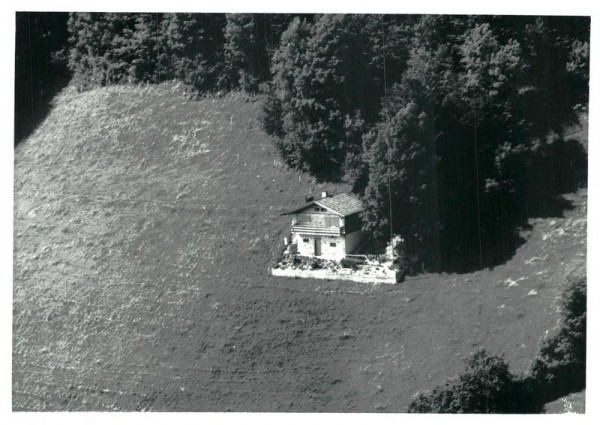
486 386
352 263
559 369
316 264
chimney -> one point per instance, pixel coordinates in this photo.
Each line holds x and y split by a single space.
323 195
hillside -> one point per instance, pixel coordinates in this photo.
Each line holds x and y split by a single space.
144 227
573 403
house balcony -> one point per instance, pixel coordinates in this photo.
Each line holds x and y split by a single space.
312 230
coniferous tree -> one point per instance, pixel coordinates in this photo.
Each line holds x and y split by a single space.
194 44
401 164
329 87
250 42
144 50
246 55
108 48
95 54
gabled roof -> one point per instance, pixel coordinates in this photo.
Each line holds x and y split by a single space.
342 204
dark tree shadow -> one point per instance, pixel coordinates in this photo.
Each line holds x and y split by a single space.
40 71
488 237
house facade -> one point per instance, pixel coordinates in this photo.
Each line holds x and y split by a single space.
329 227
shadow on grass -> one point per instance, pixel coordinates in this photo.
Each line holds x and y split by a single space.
540 179
40 73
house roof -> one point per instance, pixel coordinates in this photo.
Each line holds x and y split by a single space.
342 204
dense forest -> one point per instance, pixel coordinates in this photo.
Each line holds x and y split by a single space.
453 130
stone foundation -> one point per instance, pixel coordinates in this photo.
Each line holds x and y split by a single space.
384 275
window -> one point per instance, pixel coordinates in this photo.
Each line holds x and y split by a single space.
333 244
305 240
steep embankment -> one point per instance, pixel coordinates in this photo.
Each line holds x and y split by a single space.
144 225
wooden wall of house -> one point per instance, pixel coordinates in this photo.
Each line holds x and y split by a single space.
317 218
353 223
352 241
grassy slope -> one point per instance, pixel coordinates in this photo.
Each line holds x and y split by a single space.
144 226
573 403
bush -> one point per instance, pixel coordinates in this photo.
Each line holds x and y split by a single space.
559 369
352 263
380 258
486 386
316 264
